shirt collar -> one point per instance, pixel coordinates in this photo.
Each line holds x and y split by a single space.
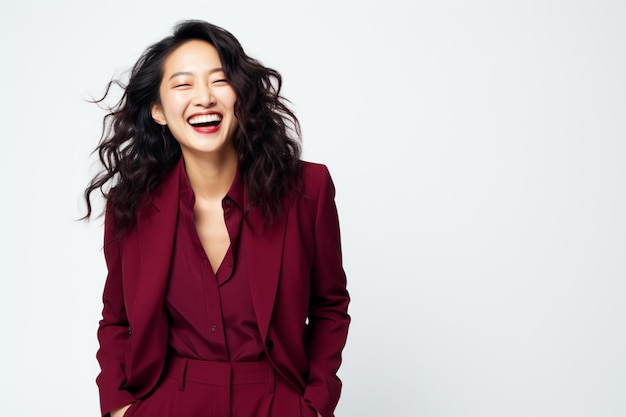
235 193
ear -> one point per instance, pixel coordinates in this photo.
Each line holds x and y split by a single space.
157 114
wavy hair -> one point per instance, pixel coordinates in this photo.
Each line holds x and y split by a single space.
136 153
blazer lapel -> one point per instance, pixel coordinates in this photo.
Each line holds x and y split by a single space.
156 229
263 244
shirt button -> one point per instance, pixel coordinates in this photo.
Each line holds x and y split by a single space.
269 345
227 201
213 328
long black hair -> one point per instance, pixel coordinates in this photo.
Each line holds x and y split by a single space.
137 153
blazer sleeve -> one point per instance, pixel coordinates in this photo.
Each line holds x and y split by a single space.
114 329
328 315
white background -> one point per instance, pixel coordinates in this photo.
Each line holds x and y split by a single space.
478 153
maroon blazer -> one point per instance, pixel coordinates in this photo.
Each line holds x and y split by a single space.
297 283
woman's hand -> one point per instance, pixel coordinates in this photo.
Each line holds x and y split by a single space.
319 415
120 411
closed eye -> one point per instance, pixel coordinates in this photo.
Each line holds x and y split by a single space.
221 81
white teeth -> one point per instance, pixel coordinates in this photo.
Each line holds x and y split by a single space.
205 118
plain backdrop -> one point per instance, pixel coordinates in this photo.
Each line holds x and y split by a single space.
478 153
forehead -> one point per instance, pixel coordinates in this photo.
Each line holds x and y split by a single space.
192 56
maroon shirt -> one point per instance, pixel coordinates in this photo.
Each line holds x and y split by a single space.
210 315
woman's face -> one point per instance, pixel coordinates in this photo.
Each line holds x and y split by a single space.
197 102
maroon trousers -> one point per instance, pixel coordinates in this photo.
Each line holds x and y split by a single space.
193 388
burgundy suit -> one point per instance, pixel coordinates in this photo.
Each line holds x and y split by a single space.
296 279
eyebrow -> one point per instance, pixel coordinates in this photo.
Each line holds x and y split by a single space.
178 74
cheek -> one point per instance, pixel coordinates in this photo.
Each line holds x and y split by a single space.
171 103
231 98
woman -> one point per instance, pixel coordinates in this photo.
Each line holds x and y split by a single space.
225 293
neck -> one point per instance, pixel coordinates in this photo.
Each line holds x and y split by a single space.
211 177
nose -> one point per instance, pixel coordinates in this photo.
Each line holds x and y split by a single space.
203 96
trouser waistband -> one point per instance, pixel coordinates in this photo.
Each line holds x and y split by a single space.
223 374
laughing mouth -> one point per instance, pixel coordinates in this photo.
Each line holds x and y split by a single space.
205 120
